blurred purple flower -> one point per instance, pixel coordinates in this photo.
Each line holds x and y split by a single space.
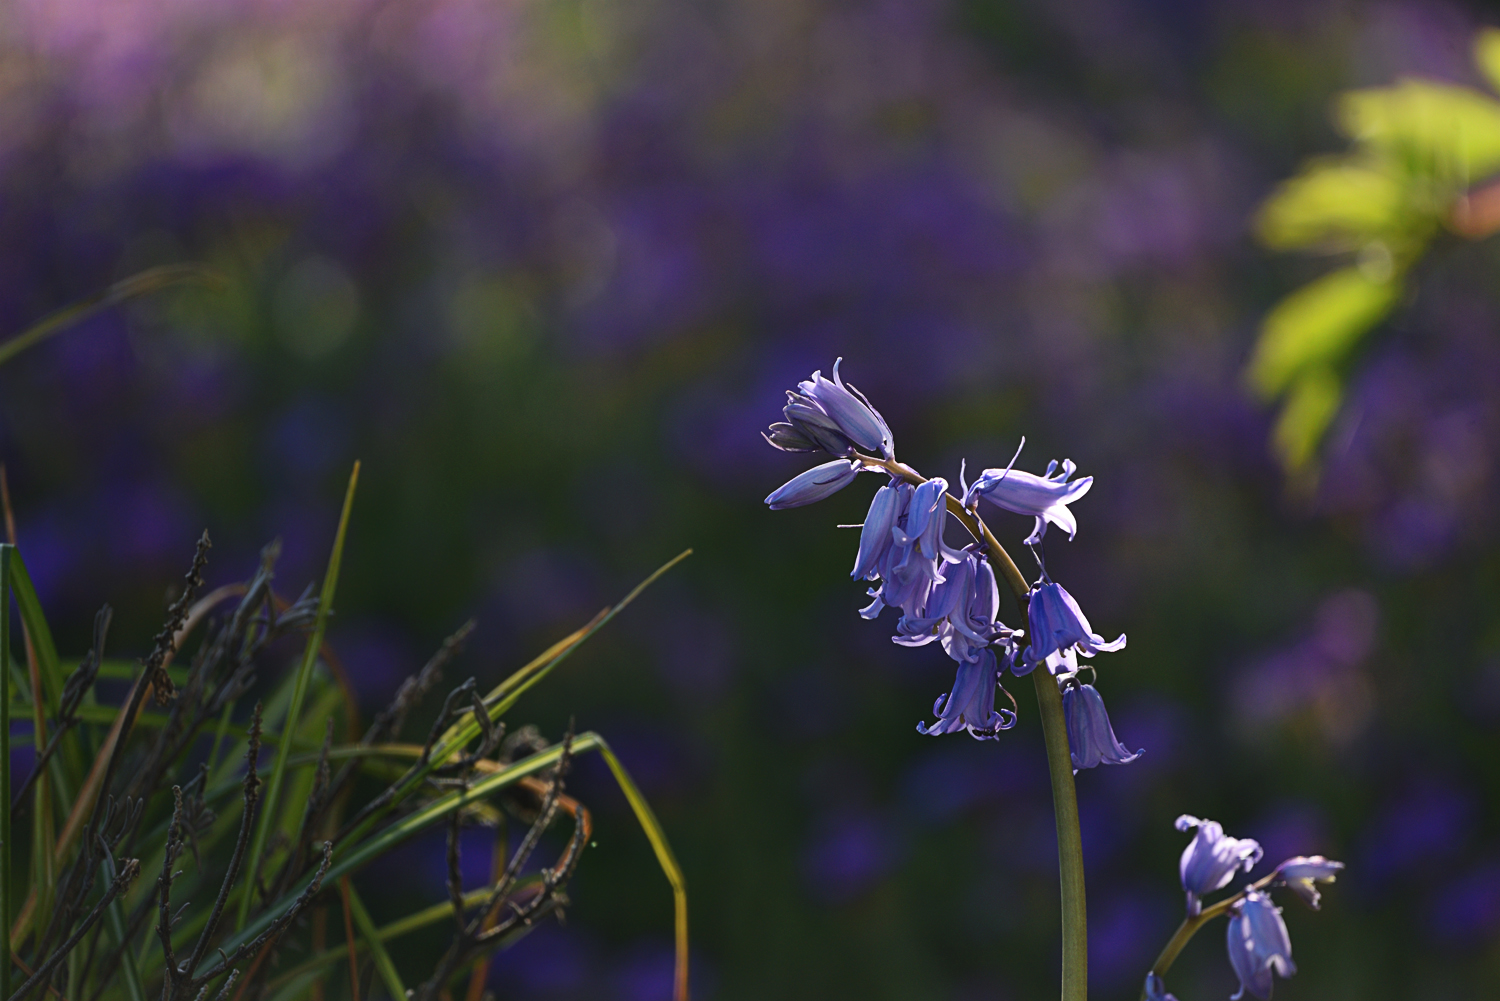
818 483
1045 497
1303 871
1209 862
1466 912
1258 945
847 855
1059 632
1091 740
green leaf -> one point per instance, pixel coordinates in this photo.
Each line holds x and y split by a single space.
1487 55
1317 325
1310 408
1451 131
299 692
1334 205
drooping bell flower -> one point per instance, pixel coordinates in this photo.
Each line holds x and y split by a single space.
828 415
971 704
1156 990
1211 859
814 485
1091 740
960 612
1046 497
1304 871
909 564
1258 946
1059 632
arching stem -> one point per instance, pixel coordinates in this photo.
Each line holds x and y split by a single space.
1075 948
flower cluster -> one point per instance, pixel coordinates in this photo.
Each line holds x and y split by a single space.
1257 938
946 595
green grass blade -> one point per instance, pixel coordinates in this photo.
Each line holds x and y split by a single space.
413 824
664 857
7 889
299 692
371 935
415 921
148 281
505 695
128 971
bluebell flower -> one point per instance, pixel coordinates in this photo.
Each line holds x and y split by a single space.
909 563
1045 497
1302 872
1091 740
1209 862
960 612
814 485
971 704
875 535
1156 990
831 416
1059 632
1258 945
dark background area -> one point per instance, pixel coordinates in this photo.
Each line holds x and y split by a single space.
546 267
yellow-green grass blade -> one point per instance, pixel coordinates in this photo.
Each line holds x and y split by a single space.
7 887
508 692
142 283
128 971
435 811
69 771
299 692
371 935
664 857
357 855
401 926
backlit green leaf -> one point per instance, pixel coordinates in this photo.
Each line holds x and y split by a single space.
1317 325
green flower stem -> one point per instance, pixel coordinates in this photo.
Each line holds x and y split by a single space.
1075 934
1191 925
1075 945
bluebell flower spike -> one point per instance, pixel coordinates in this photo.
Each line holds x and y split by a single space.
814 485
1045 498
1060 632
971 704
1211 859
1091 739
1258 946
1302 874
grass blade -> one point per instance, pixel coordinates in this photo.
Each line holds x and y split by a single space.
664 857
299 692
371 935
7 890
143 283
413 824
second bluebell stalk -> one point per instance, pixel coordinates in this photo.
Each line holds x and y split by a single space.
945 595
